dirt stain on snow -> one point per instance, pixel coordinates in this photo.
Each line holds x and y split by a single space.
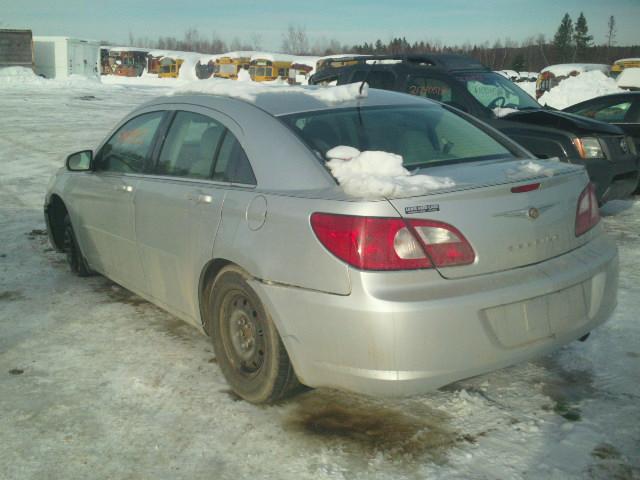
610 464
10 296
567 388
37 232
605 451
367 428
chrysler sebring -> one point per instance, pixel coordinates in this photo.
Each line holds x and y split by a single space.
272 223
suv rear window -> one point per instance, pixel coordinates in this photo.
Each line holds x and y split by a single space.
422 135
376 79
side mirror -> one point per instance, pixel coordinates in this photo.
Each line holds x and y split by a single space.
80 161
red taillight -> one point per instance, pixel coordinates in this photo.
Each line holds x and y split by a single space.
374 243
587 213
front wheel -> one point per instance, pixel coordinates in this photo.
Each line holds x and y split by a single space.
75 259
247 345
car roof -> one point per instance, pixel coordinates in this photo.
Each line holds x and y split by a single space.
280 101
603 97
440 62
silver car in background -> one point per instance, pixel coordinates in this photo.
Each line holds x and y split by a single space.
222 211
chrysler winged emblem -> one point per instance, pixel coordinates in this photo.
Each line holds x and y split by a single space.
531 212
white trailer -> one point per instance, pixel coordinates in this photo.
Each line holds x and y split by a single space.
59 57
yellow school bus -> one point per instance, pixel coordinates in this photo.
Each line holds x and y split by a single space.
264 70
170 67
623 63
228 67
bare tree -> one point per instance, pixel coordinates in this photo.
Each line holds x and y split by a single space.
295 41
256 41
541 42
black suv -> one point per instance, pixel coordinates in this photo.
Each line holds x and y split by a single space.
608 154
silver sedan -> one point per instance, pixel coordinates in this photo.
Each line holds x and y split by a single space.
223 211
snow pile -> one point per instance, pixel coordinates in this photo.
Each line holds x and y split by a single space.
529 87
249 91
244 76
577 89
528 168
629 78
372 174
18 76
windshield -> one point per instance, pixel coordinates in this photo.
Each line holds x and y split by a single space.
422 135
494 91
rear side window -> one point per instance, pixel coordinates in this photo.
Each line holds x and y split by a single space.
232 164
430 88
421 135
190 147
130 147
384 80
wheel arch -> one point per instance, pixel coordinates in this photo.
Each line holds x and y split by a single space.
55 213
209 272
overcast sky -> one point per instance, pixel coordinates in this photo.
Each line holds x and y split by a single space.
350 22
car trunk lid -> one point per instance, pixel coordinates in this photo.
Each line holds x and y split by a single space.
513 213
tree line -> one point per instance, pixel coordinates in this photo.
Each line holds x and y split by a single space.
571 43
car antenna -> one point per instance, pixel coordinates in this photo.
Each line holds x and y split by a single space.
366 75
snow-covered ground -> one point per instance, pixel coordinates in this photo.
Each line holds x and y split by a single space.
97 383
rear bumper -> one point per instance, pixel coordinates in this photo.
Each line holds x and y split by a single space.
388 339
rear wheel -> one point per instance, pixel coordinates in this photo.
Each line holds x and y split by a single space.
247 345
75 259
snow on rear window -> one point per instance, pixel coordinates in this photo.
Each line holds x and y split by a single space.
372 174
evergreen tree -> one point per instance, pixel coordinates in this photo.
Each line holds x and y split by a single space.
581 38
562 41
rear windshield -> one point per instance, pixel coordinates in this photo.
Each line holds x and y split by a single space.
421 135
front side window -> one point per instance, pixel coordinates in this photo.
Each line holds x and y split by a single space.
232 164
130 147
190 147
421 135
494 91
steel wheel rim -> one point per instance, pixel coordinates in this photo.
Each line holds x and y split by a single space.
243 333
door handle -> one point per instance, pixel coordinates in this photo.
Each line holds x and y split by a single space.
123 188
200 198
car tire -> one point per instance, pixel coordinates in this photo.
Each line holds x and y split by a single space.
75 258
246 342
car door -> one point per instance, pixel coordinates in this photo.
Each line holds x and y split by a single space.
178 209
102 200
